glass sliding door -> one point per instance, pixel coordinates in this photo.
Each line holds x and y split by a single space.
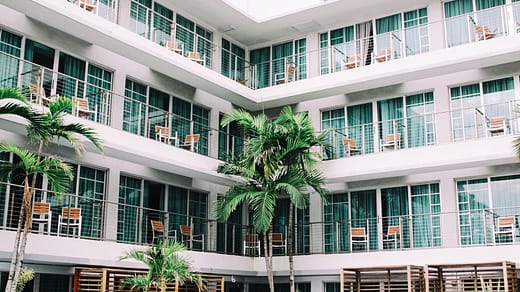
416 32
162 23
364 42
334 122
71 81
458 15
389 35
231 140
336 223
185 33
10 48
390 115
395 212
363 209
42 55
420 119
158 111
229 234
361 126
466 116
205 45
91 193
233 61
499 101
134 112
426 209
473 198
300 56
201 126
300 228
99 85
129 215
282 56
141 17
261 67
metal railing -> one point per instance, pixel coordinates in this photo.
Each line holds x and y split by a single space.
474 122
497 226
476 26
103 8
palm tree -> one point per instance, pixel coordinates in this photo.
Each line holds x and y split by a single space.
59 176
47 127
277 162
165 266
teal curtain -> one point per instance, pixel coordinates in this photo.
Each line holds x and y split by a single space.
181 117
232 60
394 204
457 24
472 200
10 44
259 59
389 34
360 126
390 115
464 102
128 216
282 53
420 121
238 61
225 64
185 33
158 111
177 207
334 121
336 223
300 228
42 55
162 23
134 112
484 4
71 67
426 210
363 208
231 140
341 42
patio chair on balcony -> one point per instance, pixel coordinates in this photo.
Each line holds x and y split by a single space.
70 219
42 214
175 47
393 236
392 141
350 147
352 62
82 108
278 241
187 236
195 57
358 236
89 5
383 55
286 76
252 245
191 142
505 230
159 232
37 95
497 125
483 32
162 134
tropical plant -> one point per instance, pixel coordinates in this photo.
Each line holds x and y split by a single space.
278 161
42 129
165 266
26 275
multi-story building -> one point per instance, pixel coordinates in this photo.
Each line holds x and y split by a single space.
419 97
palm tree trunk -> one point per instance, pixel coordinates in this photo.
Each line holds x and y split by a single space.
268 263
290 246
14 258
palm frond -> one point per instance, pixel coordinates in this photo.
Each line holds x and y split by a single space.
12 93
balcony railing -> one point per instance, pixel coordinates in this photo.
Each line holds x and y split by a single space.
479 227
364 51
467 123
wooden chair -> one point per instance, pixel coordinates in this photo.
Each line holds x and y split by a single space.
352 62
195 57
191 142
350 147
393 236
358 236
162 134
188 236
383 55
505 227
82 108
37 95
159 232
175 47
392 141
252 243
278 241
70 218
484 33
497 125
88 5
42 214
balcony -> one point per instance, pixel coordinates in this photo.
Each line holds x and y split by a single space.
131 224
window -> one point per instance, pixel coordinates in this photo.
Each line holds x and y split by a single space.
10 47
472 108
300 228
360 126
99 86
134 108
233 61
141 17
231 140
334 121
194 38
187 207
420 119
230 233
